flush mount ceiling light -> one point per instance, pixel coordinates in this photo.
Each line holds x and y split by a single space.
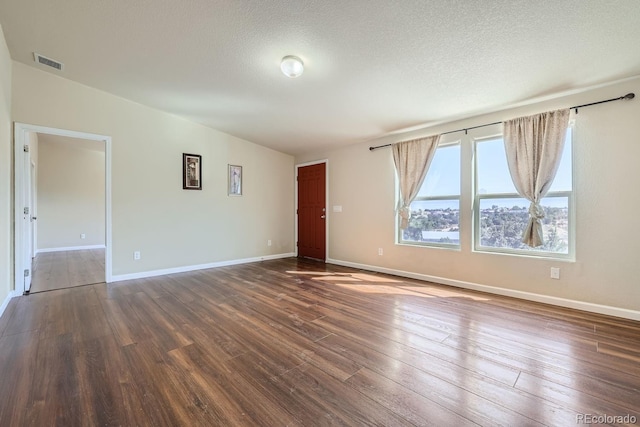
292 66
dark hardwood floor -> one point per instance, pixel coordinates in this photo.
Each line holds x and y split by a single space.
67 269
297 343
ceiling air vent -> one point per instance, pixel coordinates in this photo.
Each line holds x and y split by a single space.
47 61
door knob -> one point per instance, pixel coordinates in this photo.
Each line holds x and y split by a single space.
323 216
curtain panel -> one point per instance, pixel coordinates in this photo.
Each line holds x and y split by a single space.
412 160
534 147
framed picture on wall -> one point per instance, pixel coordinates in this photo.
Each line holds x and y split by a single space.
191 172
235 180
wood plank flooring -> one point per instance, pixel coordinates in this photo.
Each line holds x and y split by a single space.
300 343
67 269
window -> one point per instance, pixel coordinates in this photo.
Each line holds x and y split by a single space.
501 215
435 212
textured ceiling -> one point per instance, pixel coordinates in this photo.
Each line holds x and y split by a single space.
372 66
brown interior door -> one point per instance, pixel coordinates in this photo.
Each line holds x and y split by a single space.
312 211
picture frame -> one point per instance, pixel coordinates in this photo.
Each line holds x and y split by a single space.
191 171
235 180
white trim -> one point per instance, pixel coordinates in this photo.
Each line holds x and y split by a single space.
314 162
5 303
108 259
20 130
547 299
187 268
326 205
69 248
34 207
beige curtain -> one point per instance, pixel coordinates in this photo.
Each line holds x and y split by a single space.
534 147
412 160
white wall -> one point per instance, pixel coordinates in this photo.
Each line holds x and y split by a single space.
6 153
71 192
606 152
171 227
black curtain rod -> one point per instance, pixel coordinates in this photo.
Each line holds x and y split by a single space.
627 96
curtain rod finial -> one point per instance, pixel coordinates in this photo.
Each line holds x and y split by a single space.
629 96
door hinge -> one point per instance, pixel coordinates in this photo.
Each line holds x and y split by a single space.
26 210
26 273
26 148
297 243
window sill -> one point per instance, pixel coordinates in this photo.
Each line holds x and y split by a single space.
533 255
455 248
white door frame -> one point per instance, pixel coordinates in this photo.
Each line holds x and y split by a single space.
23 199
326 201
20 138
34 209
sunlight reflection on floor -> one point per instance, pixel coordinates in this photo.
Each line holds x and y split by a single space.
373 285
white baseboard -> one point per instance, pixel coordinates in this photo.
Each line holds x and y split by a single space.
5 303
143 274
69 248
547 299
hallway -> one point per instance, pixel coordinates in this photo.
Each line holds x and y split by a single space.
68 269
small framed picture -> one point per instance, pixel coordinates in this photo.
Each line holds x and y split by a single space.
235 180
191 172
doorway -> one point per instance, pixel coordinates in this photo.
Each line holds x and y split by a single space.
27 231
311 210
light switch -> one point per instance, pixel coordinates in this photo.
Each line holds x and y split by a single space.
337 208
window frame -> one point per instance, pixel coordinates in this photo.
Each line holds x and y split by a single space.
477 197
451 246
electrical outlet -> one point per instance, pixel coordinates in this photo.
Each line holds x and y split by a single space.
83 236
380 251
269 242
136 255
555 272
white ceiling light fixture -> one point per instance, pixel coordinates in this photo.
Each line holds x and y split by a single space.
292 66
